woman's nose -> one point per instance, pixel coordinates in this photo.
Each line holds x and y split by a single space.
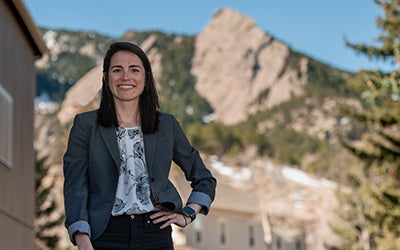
125 75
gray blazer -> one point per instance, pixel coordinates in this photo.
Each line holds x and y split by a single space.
91 169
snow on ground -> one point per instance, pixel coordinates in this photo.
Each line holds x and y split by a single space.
289 173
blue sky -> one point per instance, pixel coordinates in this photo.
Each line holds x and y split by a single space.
314 27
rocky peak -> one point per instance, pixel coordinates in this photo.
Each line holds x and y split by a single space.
235 62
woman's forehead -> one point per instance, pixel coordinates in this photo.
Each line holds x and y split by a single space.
124 56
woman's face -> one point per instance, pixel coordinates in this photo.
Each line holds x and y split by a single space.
126 76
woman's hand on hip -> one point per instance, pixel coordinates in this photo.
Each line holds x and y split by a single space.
170 218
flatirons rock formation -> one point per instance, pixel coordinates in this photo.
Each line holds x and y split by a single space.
240 69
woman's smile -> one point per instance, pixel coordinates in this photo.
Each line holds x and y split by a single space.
126 76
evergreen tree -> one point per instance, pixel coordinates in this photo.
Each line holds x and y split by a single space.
46 218
378 184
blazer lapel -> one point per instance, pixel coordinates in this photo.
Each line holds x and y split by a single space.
110 139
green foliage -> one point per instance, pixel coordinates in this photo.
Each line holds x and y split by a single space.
290 146
221 140
388 46
285 145
67 69
379 147
327 81
45 216
354 234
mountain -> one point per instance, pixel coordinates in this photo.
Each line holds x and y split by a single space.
240 69
239 93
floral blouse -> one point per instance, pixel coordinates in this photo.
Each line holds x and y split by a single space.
133 190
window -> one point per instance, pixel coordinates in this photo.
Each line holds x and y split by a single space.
198 231
6 127
222 233
278 243
252 236
199 237
298 245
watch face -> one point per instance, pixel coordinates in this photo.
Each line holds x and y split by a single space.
189 211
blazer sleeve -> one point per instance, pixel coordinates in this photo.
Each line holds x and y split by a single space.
75 167
201 180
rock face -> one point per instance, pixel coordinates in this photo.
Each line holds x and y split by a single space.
240 69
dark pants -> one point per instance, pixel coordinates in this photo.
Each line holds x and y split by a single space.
139 233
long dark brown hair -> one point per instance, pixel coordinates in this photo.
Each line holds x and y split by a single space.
148 100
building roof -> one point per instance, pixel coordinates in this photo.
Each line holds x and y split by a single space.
228 196
30 29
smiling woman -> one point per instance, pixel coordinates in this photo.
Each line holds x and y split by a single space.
117 190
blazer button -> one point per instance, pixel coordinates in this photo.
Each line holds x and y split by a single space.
156 198
152 179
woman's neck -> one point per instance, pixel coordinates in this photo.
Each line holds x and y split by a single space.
128 115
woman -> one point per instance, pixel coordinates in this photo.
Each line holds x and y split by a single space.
116 190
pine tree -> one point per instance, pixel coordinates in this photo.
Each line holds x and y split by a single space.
379 146
46 218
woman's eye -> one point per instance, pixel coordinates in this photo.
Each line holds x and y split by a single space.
136 71
116 70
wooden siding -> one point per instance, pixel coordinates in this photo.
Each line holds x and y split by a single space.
17 76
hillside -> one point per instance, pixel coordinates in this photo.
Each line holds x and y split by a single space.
239 93
199 80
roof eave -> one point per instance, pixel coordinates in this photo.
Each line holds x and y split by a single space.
31 30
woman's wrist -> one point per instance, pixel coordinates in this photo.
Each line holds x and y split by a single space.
187 219
83 241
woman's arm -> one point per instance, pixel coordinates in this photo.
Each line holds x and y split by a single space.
75 180
202 181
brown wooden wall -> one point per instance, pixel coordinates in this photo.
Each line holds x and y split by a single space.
17 76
